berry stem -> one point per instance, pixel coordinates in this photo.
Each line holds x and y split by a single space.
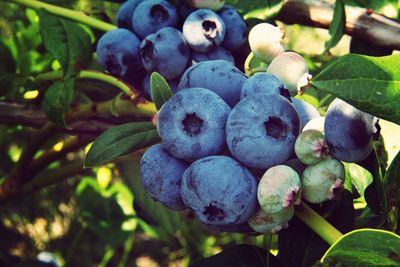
66 13
318 224
94 75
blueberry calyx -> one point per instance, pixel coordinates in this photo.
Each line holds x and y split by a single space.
159 13
147 51
192 124
209 29
213 212
275 127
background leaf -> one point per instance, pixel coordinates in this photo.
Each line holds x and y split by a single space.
101 211
338 25
365 248
238 256
121 140
57 101
66 41
160 90
7 64
391 182
371 84
257 9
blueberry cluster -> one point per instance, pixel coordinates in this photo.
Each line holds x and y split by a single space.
154 35
231 144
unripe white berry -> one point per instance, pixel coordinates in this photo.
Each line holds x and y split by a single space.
291 69
265 41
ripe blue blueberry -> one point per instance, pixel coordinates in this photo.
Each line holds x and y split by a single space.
118 52
166 52
306 111
125 13
153 15
262 129
219 76
214 54
323 180
192 124
279 189
236 28
203 30
219 190
261 83
348 131
161 176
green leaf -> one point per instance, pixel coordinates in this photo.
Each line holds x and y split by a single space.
258 9
391 182
239 256
374 194
121 140
57 101
338 25
358 176
102 212
365 248
371 84
66 41
160 90
7 61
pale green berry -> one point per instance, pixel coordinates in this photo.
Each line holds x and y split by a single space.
310 147
291 69
266 223
322 181
279 189
265 41
209 4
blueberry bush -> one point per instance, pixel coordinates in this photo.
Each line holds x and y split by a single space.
200 133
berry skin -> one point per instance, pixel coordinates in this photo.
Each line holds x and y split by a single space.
219 190
261 83
125 13
348 131
316 124
210 4
214 54
203 30
265 41
236 30
118 52
161 176
219 76
153 15
279 189
322 181
291 69
192 124
311 147
166 52
306 111
261 130
267 223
